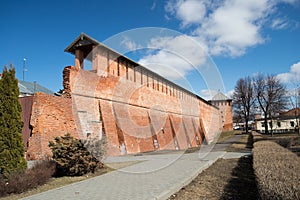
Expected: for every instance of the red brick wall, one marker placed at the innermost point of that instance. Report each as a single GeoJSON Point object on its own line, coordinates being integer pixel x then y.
{"type": "Point", "coordinates": [51, 117]}
{"type": "Point", "coordinates": [227, 109]}
{"type": "Point", "coordinates": [139, 112]}
{"type": "Point", "coordinates": [225, 113]}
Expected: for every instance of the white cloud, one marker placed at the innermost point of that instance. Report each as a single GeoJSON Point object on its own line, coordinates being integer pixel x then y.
{"type": "Point", "coordinates": [228, 27]}
{"type": "Point", "coordinates": [129, 44]}
{"type": "Point", "coordinates": [179, 55]}
{"type": "Point", "coordinates": [293, 76]}
{"type": "Point", "coordinates": [233, 27]}
{"type": "Point", "coordinates": [295, 69]}
{"type": "Point", "coordinates": [285, 77]}
{"type": "Point", "coordinates": [166, 64]}
{"type": "Point", "coordinates": [208, 94]}
{"type": "Point", "coordinates": [189, 12]}
{"type": "Point", "coordinates": [229, 93]}
{"type": "Point", "coordinates": [279, 23]}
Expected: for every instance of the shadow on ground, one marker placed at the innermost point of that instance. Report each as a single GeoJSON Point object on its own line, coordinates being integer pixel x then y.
{"type": "Point", "coordinates": [242, 185]}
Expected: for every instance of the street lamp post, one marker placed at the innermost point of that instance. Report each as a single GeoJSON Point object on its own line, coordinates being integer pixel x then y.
{"type": "Point", "coordinates": [24, 69]}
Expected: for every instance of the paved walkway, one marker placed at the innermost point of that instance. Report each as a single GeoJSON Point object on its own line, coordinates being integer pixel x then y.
{"type": "Point", "coordinates": [156, 177]}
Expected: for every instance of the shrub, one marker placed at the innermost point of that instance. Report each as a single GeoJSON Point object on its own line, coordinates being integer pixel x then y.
{"type": "Point", "coordinates": [277, 171]}
{"type": "Point", "coordinates": [96, 147]}
{"type": "Point", "coordinates": [294, 142]}
{"type": "Point", "coordinates": [71, 157]}
{"type": "Point", "coordinates": [18, 182]}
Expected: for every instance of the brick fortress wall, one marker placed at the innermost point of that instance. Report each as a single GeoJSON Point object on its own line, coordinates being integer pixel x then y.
{"type": "Point", "coordinates": [136, 109]}
{"type": "Point", "coordinates": [51, 117]}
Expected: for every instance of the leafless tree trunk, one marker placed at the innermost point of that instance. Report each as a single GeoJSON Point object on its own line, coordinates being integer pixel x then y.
{"type": "Point", "coordinates": [271, 96]}
{"type": "Point", "coordinates": [244, 99]}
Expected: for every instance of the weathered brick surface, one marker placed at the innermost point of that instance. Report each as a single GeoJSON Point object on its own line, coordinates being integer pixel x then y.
{"type": "Point", "coordinates": [51, 117]}
{"type": "Point", "coordinates": [139, 115]}
{"type": "Point", "coordinates": [137, 110]}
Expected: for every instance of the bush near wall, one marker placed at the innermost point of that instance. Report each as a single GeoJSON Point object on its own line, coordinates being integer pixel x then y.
{"type": "Point", "coordinates": [72, 158]}
{"type": "Point", "coordinates": [18, 182]}
{"type": "Point", "coordinates": [277, 171]}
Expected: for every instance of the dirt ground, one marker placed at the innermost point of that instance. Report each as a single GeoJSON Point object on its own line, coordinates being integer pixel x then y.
{"type": "Point", "coordinates": [232, 178]}
{"type": "Point", "coordinates": [225, 179]}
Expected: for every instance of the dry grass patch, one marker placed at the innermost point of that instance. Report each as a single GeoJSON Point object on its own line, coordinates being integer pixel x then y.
{"type": "Point", "coordinates": [245, 144]}
{"type": "Point", "coordinates": [18, 182]}
{"type": "Point", "coordinates": [225, 179]}
{"type": "Point", "coordinates": [226, 135]}
{"type": "Point", "coordinates": [277, 171]}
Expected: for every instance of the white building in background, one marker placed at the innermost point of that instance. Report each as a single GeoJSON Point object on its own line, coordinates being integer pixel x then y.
{"type": "Point", "coordinates": [284, 122]}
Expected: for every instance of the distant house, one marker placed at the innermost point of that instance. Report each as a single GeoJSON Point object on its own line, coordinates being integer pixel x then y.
{"type": "Point", "coordinates": [284, 122]}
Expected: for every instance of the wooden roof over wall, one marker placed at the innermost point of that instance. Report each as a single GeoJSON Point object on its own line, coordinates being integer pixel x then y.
{"type": "Point", "coordinates": [87, 43]}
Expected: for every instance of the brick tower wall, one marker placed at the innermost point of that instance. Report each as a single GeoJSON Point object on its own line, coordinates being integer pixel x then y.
{"type": "Point", "coordinates": [228, 125]}
{"type": "Point", "coordinates": [225, 109]}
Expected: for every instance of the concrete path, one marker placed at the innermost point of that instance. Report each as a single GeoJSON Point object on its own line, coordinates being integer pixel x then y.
{"type": "Point", "coordinates": [156, 177]}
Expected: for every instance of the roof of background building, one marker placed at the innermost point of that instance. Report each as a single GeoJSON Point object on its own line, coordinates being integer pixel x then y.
{"type": "Point", "coordinates": [290, 114]}
{"type": "Point", "coordinates": [220, 97]}
{"type": "Point", "coordinates": [28, 88]}
{"type": "Point", "coordinates": [293, 112]}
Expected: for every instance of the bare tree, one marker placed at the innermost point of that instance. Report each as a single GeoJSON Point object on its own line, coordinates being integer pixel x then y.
{"type": "Point", "coordinates": [244, 99]}
{"type": "Point", "coordinates": [271, 97]}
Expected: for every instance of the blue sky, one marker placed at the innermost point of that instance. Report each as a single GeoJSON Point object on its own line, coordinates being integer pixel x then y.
{"type": "Point", "coordinates": [239, 38]}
